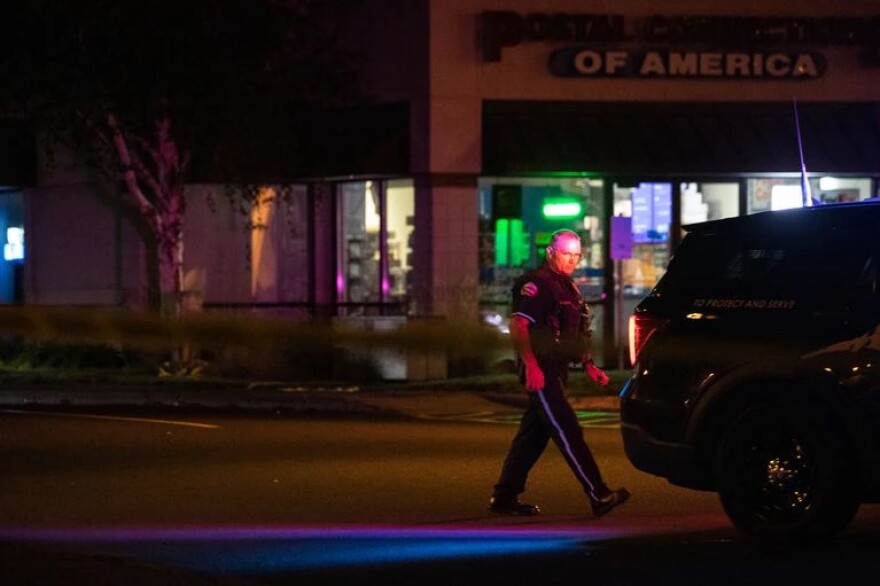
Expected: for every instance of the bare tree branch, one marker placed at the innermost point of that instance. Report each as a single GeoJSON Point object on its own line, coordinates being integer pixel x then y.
{"type": "Point", "coordinates": [147, 209]}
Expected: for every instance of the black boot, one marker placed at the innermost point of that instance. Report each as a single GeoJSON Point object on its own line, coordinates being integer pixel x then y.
{"type": "Point", "coordinates": [610, 499]}
{"type": "Point", "coordinates": [512, 506]}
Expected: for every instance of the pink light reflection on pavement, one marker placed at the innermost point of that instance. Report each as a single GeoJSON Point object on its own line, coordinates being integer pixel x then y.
{"type": "Point", "coordinates": [580, 528]}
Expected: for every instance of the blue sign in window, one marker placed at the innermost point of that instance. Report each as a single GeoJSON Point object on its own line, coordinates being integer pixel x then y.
{"type": "Point", "coordinates": [651, 212]}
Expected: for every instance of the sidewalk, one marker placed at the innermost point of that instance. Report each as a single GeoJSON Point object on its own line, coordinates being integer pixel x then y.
{"type": "Point", "coordinates": [276, 397]}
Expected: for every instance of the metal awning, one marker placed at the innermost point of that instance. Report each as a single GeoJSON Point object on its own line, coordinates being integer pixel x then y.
{"type": "Point", "coordinates": [676, 138]}
{"type": "Point", "coordinates": [305, 143]}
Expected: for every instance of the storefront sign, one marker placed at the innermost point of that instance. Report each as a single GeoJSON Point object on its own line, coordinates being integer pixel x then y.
{"type": "Point", "coordinates": [724, 46]}
{"type": "Point", "coordinates": [502, 28]}
{"type": "Point", "coordinates": [621, 238]}
{"type": "Point", "coordinates": [588, 62]}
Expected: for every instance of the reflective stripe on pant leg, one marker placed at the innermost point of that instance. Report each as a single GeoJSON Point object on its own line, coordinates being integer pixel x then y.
{"type": "Point", "coordinates": [564, 441]}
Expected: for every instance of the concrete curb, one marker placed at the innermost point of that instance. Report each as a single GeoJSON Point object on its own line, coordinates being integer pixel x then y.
{"type": "Point", "coordinates": [290, 400]}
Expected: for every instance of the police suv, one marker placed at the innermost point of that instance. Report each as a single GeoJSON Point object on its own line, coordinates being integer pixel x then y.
{"type": "Point", "coordinates": [756, 369]}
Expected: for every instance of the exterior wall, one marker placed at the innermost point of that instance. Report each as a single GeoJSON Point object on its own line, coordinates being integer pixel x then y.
{"type": "Point", "coordinates": [80, 249]}
{"type": "Point", "coordinates": [216, 264]}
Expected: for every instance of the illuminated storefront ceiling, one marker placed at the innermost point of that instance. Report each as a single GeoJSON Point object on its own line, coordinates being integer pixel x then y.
{"type": "Point", "coordinates": [678, 137]}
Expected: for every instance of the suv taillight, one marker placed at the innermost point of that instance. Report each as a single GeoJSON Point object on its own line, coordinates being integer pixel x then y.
{"type": "Point", "coordinates": [641, 327]}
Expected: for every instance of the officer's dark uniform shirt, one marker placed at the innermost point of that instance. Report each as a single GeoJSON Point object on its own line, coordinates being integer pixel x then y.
{"type": "Point", "coordinates": [559, 319]}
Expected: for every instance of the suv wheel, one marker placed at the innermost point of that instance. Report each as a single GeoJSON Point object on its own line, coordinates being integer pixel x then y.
{"type": "Point", "coordinates": [783, 475]}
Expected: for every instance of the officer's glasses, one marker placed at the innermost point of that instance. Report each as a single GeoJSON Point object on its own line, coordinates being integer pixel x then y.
{"type": "Point", "coordinates": [571, 255]}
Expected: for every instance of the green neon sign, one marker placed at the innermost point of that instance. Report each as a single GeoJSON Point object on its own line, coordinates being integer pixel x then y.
{"type": "Point", "coordinates": [562, 209]}
{"type": "Point", "coordinates": [511, 243]}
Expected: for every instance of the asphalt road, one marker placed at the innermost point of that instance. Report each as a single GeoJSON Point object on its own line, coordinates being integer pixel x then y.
{"type": "Point", "coordinates": [157, 498]}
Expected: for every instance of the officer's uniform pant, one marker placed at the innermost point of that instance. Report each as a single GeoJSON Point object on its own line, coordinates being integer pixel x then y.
{"type": "Point", "coordinates": [549, 415]}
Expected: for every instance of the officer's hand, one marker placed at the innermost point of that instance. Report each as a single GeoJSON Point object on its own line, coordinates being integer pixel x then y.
{"type": "Point", "coordinates": [595, 373]}
{"type": "Point", "coordinates": [534, 378]}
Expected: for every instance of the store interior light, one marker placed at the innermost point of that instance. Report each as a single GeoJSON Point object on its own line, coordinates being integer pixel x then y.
{"type": "Point", "coordinates": [13, 249]}
{"type": "Point", "coordinates": [562, 209]}
{"type": "Point", "coordinates": [372, 220]}
{"type": "Point", "coordinates": [786, 197]}
{"type": "Point", "coordinates": [829, 183]}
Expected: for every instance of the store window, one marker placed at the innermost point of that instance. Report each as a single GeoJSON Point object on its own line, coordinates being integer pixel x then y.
{"type": "Point", "coordinates": [842, 189]}
{"type": "Point", "coordinates": [518, 216]}
{"type": "Point", "coordinates": [400, 206]}
{"type": "Point", "coordinates": [779, 193]}
{"type": "Point", "coordinates": [279, 250]}
{"type": "Point", "coordinates": [701, 202]}
{"type": "Point", "coordinates": [650, 207]}
{"type": "Point", "coordinates": [14, 249]}
{"type": "Point", "coordinates": [375, 246]}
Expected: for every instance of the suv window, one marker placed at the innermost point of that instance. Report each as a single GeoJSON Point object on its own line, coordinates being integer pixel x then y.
{"type": "Point", "coordinates": [729, 267]}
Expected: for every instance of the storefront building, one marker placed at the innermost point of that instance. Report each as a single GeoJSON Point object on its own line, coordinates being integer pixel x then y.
{"type": "Point", "coordinates": [540, 116]}
{"type": "Point", "coordinates": [494, 123]}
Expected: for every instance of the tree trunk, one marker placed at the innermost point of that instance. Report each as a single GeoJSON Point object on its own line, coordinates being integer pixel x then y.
{"type": "Point", "coordinates": [170, 249]}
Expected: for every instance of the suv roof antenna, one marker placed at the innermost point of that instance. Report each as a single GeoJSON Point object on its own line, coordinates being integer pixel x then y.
{"type": "Point", "coordinates": [806, 194]}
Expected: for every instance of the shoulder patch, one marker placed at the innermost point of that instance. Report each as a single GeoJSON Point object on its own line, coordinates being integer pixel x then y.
{"type": "Point", "coordinates": [529, 289]}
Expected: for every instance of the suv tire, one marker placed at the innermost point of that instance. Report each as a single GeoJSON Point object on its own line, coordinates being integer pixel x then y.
{"type": "Point", "coordinates": [784, 475]}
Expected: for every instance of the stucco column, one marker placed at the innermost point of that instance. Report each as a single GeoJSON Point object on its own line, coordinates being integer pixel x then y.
{"type": "Point", "coordinates": [446, 136]}
{"type": "Point", "coordinates": [322, 209]}
{"type": "Point", "coordinates": [446, 257]}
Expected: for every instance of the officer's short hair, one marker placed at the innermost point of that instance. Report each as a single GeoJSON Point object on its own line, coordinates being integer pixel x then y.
{"type": "Point", "coordinates": [554, 238]}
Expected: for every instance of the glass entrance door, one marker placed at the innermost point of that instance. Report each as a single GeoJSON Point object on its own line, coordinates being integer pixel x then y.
{"type": "Point", "coordinates": [649, 206]}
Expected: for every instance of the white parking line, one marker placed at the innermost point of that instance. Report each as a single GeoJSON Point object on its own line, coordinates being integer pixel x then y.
{"type": "Point", "coordinates": [597, 419]}
{"type": "Point", "coordinates": [113, 418]}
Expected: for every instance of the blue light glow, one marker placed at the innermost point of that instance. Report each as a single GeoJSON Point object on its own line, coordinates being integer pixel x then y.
{"type": "Point", "coordinates": [271, 557]}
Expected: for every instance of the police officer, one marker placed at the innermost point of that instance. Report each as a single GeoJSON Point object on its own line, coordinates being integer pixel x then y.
{"type": "Point", "coordinates": [550, 328]}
